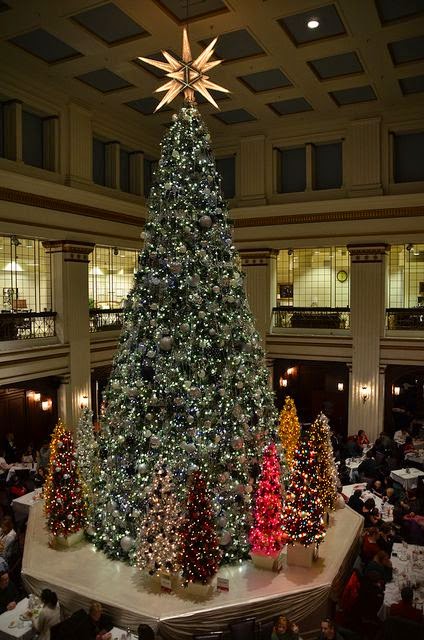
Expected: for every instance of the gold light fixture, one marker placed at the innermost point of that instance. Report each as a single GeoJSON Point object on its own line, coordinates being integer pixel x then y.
{"type": "Point", "coordinates": [187, 75]}
{"type": "Point", "coordinates": [340, 386]}
{"type": "Point", "coordinates": [13, 266]}
{"type": "Point", "coordinates": [396, 391]}
{"type": "Point", "coordinates": [283, 382]}
{"type": "Point", "coordinates": [46, 405]}
{"type": "Point", "coordinates": [84, 402]}
{"type": "Point", "coordinates": [365, 393]}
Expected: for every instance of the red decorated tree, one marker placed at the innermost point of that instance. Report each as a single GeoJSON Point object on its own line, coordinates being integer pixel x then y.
{"type": "Point", "coordinates": [200, 548]}
{"type": "Point", "coordinates": [303, 512]}
{"type": "Point", "coordinates": [266, 535]}
{"type": "Point", "coordinates": [65, 506]}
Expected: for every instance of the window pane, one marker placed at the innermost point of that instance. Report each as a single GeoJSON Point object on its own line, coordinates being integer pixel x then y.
{"type": "Point", "coordinates": [99, 173]}
{"type": "Point", "coordinates": [124, 167]}
{"type": "Point", "coordinates": [226, 167]}
{"type": "Point", "coordinates": [32, 139]}
{"type": "Point", "coordinates": [328, 166]}
{"type": "Point", "coordinates": [292, 170]}
{"type": "Point", "coordinates": [110, 276]}
{"type": "Point", "coordinates": [408, 157]}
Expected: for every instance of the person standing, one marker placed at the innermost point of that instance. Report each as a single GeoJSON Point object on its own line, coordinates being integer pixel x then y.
{"type": "Point", "coordinates": [49, 615]}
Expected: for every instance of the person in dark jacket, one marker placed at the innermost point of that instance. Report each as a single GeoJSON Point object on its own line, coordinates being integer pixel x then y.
{"type": "Point", "coordinates": [368, 467]}
{"type": "Point", "coordinates": [355, 501]}
{"type": "Point", "coordinates": [8, 593]}
{"type": "Point", "coordinates": [405, 608]}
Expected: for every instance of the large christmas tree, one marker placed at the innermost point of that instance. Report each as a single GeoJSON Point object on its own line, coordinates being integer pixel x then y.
{"type": "Point", "coordinates": [189, 385]}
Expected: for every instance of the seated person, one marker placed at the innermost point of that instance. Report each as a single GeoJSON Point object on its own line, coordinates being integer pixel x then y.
{"type": "Point", "coordinates": [387, 538]}
{"type": "Point", "coordinates": [16, 487]}
{"type": "Point", "coordinates": [355, 501]}
{"type": "Point", "coordinates": [144, 632]}
{"type": "Point", "coordinates": [8, 593]}
{"type": "Point", "coordinates": [48, 616]}
{"type": "Point", "coordinates": [405, 608]}
{"type": "Point", "coordinates": [39, 477]}
{"type": "Point", "coordinates": [98, 623]}
{"type": "Point", "coordinates": [370, 544]}
{"type": "Point", "coordinates": [390, 497]}
{"type": "Point", "coordinates": [352, 449]}
{"type": "Point", "coordinates": [381, 565]}
{"type": "Point", "coordinates": [374, 518]}
{"type": "Point", "coordinates": [27, 456]}
{"type": "Point", "coordinates": [284, 629]}
{"type": "Point", "coordinates": [4, 466]}
{"type": "Point", "coordinates": [369, 467]}
{"type": "Point", "coordinates": [362, 438]}
{"type": "Point", "coordinates": [329, 631]}
{"type": "Point", "coordinates": [7, 536]}
{"type": "Point", "coordinates": [400, 436]}
{"type": "Point", "coordinates": [408, 446]}
{"type": "Point", "coordinates": [367, 507]}
{"type": "Point", "coordinates": [376, 487]}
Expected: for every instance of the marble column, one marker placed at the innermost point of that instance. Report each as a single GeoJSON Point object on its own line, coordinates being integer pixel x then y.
{"type": "Point", "coordinates": [70, 299]}
{"type": "Point", "coordinates": [260, 267]}
{"type": "Point", "coordinates": [368, 304]}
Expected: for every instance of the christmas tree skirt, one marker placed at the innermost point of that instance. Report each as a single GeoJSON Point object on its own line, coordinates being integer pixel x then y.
{"type": "Point", "coordinates": [300, 556]}
{"type": "Point", "coordinates": [82, 573]}
{"type": "Point", "coordinates": [271, 562]}
{"type": "Point", "coordinates": [199, 590]}
{"type": "Point", "coordinates": [70, 540]}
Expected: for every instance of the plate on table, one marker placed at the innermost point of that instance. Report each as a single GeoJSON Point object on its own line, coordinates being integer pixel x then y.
{"type": "Point", "coordinates": [12, 624]}
{"type": "Point", "coordinates": [25, 617]}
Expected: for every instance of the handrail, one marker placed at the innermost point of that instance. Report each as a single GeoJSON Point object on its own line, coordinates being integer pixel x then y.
{"type": "Point", "coordinates": [27, 325]}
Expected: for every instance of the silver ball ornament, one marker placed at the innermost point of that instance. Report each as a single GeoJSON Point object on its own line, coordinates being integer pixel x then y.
{"type": "Point", "coordinates": [205, 222]}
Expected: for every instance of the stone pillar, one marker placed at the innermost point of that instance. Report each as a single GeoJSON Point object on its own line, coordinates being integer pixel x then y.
{"type": "Point", "coordinates": [112, 163]}
{"type": "Point", "coordinates": [368, 305]}
{"type": "Point", "coordinates": [51, 143]}
{"type": "Point", "coordinates": [260, 267]}
{"type": "Point", "coordinates": [252, 170]}
{"type": "Point", "coordinates": [363, 157]}
{"type": "Point", "coordinates": [70, 300]}
{"type": "Point", "coordinates": [80, 145]}
{"type": "Point", "coordinates": [137, 173]}
{"type": "Point", "coordinates": [12, 115]}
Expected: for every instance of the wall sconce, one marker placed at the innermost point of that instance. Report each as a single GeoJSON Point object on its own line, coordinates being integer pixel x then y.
{"type": "Point", "coordinates": [84, 402]}
{"type": "Point", "coordinates": [365, 392]}
{"type": "Point", "coordinates": [290, 371]}
{"type": "Point", "coordinates": [36, 397]}
{"type": "Point", "coordinates": [283, 381]}
{"type": "Point", "coordinates": [46, 405]}
{"type": "Point", "coordinates": [340, 386]}
{"type": "Point", "coordinates": [396, 391]}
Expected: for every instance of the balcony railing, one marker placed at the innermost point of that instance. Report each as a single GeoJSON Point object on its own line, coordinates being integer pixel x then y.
{"type": "Point", "coordinates": [27, 325]}
{"type": "Point", "coordinates": [311, 318]}
{"type": "Point", "coordinates": [403, 319]}
{"type": "Point", "coordinates": [105, 319]}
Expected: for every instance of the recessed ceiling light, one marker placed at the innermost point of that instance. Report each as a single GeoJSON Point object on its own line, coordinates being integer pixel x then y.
{"type": "Point", "coordinates": [313, 23]}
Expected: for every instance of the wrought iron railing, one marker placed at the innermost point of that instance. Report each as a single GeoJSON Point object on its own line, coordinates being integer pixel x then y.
{"type": "Point", "coordinates": [311, 318]}
{"type": "Point", "coordinates": [403, 319]}
{"type": "Point", "coordinates": [105, 319]}
{"type": "Point", "coordinates": [27, 325]}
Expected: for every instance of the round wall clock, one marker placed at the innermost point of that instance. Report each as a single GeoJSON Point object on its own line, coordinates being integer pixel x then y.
{"type": "Point", "coordinates": [342, 276]}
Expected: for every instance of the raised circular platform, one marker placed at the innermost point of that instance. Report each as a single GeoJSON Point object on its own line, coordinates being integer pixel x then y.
{"type": "Point", "coordinates": [81, 574]}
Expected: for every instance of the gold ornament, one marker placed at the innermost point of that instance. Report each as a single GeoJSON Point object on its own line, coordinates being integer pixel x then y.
{"type": "Point", "coordinates": [187, 75]}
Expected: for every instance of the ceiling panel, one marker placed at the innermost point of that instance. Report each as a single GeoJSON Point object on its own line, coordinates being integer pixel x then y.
{"type": "Point", "coordinates": [235, 45]}
{"type": "Point", "coordinates": [104, 80]}
{"type": "Point", "coordinates": [109, 23]}
{"type": "Point", "coordinates": [408, 50]}
{"type": "Point", "coordinates": [393, 10]}
{"type": "Point", "coordinates": [342, 64]}
{"type": "Point", "coordinates": [236, 116]}
{"type": "Point", "coordinates": [155, 56]}
{"type": "Point", "coordinates": [353, 95]}
{"type": "Point", "coordinates": [296, 26]}
{"type": "Point", "coordinates": [146, 106]}
{"type": "Point", "coordinates": [266, 80]}
{"type": "Point", "coordinates": [4, 7]}
{"type": "Point", "coordinates": [288, 107]}
{"type": "Point", "coordinates": [414, 84]}
{"type": "Point", "coordinates": [183, 11]}
{"type": "Point", "coordinates": [44, 45]}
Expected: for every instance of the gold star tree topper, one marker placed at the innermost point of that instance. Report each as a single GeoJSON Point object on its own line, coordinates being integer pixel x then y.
{"type": "Point", "coordinates": [187, 75]}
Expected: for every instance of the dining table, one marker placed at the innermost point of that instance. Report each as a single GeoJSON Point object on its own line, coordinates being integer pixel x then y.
{"type": "Point", "coordinates": [23, 504]}
{"type": "Point", "coordinates": [17, 467]}
{"type": "Point", "coordinates": [415, 458]}
{"type": "Point", "coordinates": [385, 509]}
{"type": "Point", "coordinates": [408, 571]}
{"type": "Point", "coordinates": [14, 624]}
{"type": "Point", "coordinates": [407, 477]}
{"type": "Point", "coordinates": [121, 634]}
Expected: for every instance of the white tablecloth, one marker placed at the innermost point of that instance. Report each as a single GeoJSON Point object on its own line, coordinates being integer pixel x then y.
{"type": "Point", "coordinates": [385, 510]}
{"type": "Point", "coordinates": [19, 466]}
{"type": "Point", "coordinates": [352, 464]}
{"type": "Point", "coordinates": [408, 569]}
{"type": "Point", "coordinates": [22, 505]}
{"type": "Point", "coordinates": [409, 479]}
{"type": "Point", "coordinates": [13, 617]}
{"type": "Point", "coordinates": [415, 456]}
{"type": "Point", "coordinates": [118, 633]}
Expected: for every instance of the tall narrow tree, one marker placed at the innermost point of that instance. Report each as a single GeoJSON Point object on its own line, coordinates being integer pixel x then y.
{"type": "Point", "coordinates": [326, 466]}
{"type": "Point", "coordinates": [289, 430]}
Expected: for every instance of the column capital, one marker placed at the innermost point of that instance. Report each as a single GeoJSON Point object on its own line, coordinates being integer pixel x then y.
{"type": "Point", "coordinates": [368, 253]}
{"type": "Point", "coordinates": [255, 257]}
{"type": "Point", "coordinates": [72, 250]}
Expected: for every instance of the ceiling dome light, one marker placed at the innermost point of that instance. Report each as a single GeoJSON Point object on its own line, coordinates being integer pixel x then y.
{"type": "Point", "coordinates": [313, 23]}
{"type": "Point", "coordinates": [12, 266]}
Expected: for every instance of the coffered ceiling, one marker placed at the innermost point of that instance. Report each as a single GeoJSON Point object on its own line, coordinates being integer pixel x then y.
{"type": "Point", "coordinates": [365, 56]}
